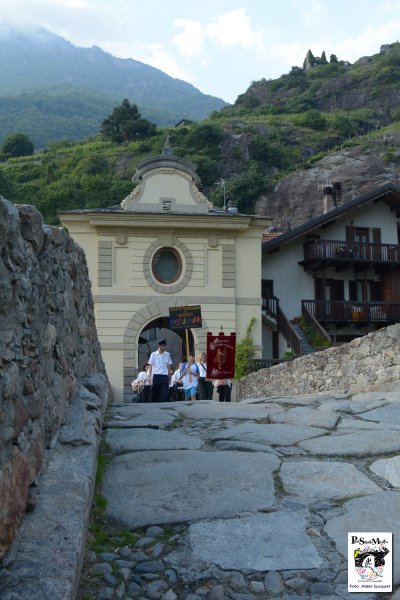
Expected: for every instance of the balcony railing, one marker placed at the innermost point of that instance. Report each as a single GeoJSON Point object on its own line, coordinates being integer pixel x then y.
{"type": "Point", "coordinates": [347, 311]}
{"type": "Point", "coordinates": [290, 335]}
{"type": "Point", "coordinates": [337, 251]}
{"type": "Point", "coordinates": [270, 304]}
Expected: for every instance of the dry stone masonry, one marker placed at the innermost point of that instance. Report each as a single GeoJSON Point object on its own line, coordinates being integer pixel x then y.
{"type": "Point", "coordinates": [367, 363]}
{"type": "Point", "coordinates": [53, 386]}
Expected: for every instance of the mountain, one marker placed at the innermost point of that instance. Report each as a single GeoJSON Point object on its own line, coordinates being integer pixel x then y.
{"type": "Point", "coordinates": [276, 148]}
{"type": "Point", "coordinates": [39, 70]}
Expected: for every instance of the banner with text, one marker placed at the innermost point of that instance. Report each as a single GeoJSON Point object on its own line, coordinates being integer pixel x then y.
{"type": "Point", "coordinates": [221, 350]}
{"type": "Point", "coordinates": [185, 317]}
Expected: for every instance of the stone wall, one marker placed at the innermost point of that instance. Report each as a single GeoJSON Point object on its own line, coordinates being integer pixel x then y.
{"type": "Point", "coordinates": [48, 349]}
{"type": "Point", "coordinates": [366, 363]}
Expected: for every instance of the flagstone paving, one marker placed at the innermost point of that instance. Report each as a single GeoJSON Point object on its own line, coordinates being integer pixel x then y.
{"type": "Point", "coordinates": [251, 500]}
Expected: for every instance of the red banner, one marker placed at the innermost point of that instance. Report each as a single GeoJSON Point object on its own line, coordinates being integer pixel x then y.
{"type": "Point", "coordinates": [221, 356]}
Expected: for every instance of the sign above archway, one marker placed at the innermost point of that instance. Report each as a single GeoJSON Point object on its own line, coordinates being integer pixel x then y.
{"type": "Point", "coordinates": [185, 317]}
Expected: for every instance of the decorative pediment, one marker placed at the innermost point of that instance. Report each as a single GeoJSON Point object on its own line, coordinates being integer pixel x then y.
{"type": "Point", "coordinates": [166, 183]}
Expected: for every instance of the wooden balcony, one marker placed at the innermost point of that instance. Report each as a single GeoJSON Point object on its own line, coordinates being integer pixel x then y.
{"type": "Point", "coordinates": [348, 311]}
{"type": "Point", "coordinates": [344, 255]}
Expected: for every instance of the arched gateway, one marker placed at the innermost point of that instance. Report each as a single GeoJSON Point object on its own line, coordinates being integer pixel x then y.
{"type": "Point", "coordinates": [160, 311]}
{"type": "Point", "coordinates": [166, 246]}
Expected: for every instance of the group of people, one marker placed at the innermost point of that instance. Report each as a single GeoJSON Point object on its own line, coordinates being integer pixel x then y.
{"type": "Point", "coordinates": [158, 382]}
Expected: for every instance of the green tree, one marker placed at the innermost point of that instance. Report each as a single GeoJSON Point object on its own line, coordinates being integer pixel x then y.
{"type": "Point", "coordinates": [323, 58]}
{"type": "Point", "coordinates": [333, 58]}
{"type": "Point", "coordinates": [126, 124]}
{"type": "Point", "coordinates": [17, 144]}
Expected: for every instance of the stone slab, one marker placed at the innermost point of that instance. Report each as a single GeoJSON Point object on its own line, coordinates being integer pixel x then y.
{"type": "Point", "coordinates": [150, 439]}
{"type": "Point", "coordinates": [354, 424]}
{"type": "Point", "coordinates": [123, 411]}
{"type": "Point", "coordinates": [377, 513]}
{"type": "Point", "coordinates": [277, 434]}
{"type": "Point", "coordinates": [389, 468]}
{"type": "Point", "coordinates": [157, 487]}
{"type": "Point", "coordinates": [223, 410]}
{"type": "Point", "coordinates": [246, 446]}
{"type": "Point", "coordinates": [388, 415]}
{"type": "Point", "coordinates": [145, 420]}
{"type": "Point", "coordinates": [359, 443]}
{"type": "Point", "coordinates": [316, 480]}
{"type": "Point", "coordinates": [303, 415]}
{"type": "Point", "coordinates": [264, 542]}
{"type": "Point", "coordinates": [380, 396]}
{"type": "Point", "coordinates": [357, 404]}
{"type": "Point", "coordinates": [289, 400]}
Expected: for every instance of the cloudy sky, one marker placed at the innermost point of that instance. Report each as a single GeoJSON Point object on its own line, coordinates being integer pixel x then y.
{"type": "Point", "coordinates": [220, 46]}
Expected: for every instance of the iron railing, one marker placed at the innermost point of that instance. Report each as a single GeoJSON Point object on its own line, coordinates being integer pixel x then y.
{"type": "Point", "coordinates": [335, 250]}
{"type": "Point", "coordinates": [338, 311]}
{"type": "Point", "coordinates": [290, 335]}
{"type": "Point", "coordinates": [270, 304]}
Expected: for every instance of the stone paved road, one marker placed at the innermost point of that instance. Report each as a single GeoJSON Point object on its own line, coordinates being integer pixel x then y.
{"type": "Point", "coordinates": [262, 493]}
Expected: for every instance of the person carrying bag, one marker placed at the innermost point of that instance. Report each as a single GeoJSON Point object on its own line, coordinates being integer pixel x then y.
{"type": "Point", "coordinates": [205, 386]}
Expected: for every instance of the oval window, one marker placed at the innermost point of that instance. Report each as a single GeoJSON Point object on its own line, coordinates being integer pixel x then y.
{"type": "Point", "coordinates": [166, 265]}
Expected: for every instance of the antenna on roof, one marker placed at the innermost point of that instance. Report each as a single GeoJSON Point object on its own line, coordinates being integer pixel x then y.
{"type": "Point", "coordinates": [222, 183]}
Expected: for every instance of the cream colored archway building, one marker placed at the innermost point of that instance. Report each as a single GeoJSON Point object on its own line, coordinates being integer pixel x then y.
{"type": "Point", "coordinates": [166, 246]}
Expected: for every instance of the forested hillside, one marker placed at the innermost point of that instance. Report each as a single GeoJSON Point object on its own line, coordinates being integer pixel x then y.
{"type": "Point", "coordinates": [331, 121]}
{"type": "Point", "coordinates": [50, 85]}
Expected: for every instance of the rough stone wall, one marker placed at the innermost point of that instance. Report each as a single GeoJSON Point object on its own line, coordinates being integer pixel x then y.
{"type": "Point", "coordinates": [366, 363]}
{"type": "Point", "coordinates": [48, 346]}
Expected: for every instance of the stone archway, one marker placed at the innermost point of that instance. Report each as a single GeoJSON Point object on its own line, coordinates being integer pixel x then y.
{"type": "Point", "coordinates": [158, 308]}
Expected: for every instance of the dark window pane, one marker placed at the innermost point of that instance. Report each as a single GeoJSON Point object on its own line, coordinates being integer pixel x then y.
{"type": "Point", "coordinates": [166, 265]}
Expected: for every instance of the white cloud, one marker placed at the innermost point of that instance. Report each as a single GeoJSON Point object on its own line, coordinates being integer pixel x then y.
{"type": "Point", "coordinates": [154, 55]}
{"type": "Point", "coordinates": [69, 3]}
{"type": "Point", "coordinates": [368, 42]}
{"type": "Point", "coordinates": [190, 42]}
{"type": "Point", "coordinates": [312, 14]}
{"type": "Point", "coordinates": [390, 6]}
{"type": "Point", "coordinates": [291, 55]}
{"type": "Point", "coordinates": [352, 48]}
{"type": "Point", "coordinates": [234, 29]}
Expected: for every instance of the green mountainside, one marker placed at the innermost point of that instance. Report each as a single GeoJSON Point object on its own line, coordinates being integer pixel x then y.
{"type": "Point", "coordinates": [41, 70]}
{"type": "Point", "coordinates": [332, 121]}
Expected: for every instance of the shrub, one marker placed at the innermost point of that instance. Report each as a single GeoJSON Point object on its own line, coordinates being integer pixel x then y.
{"type": "Point", "coordinates": [245, 353]}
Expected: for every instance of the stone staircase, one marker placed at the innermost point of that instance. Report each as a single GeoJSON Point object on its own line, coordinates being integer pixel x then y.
{"type": "Point", "coordinates": [306, 346]}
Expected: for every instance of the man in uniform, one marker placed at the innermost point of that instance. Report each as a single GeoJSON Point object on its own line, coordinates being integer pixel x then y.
{"type": "Point", "coordinates": [158, 372]}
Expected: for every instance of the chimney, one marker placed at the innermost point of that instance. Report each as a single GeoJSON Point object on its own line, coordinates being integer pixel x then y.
{"type": "Point", "coordinates": [328, 201]}
{"type": "Point", "coordinates": [232, 206]}
{"type": "Point", "coordinates": [337, 192]}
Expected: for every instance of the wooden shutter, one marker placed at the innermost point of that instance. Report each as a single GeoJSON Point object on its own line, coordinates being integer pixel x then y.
{"type": "Point", "coordinates": [376, 235]}
{"type": "Point", "coordinates": [349, 233]}
{"type": "Point", "coordinates": [319, 289]}
{"type": "Point", "coordinates": [376, 240]}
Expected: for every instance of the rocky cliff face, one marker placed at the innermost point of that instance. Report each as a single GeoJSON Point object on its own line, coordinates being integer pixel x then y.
{"type": "Point", "coordinates": [48, 345]}
{"type": "Point", "coordinates": [298, 198]}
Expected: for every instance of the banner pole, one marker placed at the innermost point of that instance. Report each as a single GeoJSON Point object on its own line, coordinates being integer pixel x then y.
{"type": "Point", "coordinates": [187, 343]}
